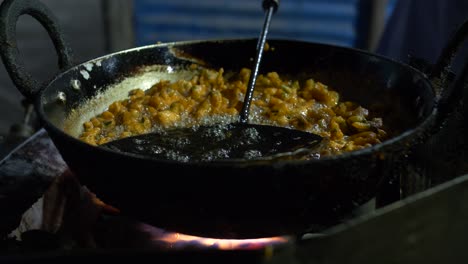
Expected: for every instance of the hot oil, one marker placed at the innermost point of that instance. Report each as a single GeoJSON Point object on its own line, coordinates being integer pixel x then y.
{"type": "Point", "coordinates": [144, 79]}
{"type": "Point", "coordinates": [197, 143]}
{"type": "Point", "coordinates": [216, 138]}
{"type": "Point", "coordinates": [212, 138]}
{"type": "Point", "coordinates": [186, 147]}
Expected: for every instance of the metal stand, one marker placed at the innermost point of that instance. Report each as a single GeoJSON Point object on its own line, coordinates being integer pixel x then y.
{"type": "Point", "coordinates": [21, 131]}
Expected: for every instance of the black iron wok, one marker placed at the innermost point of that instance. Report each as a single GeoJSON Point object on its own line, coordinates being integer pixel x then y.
{"type": "Point", "coordinates": [224, 198]}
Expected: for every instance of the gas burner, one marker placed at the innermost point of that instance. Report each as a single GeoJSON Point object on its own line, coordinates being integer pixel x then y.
{"type": "Point", "coordinates": [63, 210]}
{"type": "Point", "coordinates": [62, 206]}
{"type": "Point", "coordinates": [35, 174]}
{"type": "Point", "coordinates": [73, 214]}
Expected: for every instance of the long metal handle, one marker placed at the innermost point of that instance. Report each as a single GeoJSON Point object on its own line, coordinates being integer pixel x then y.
{"type": "Point", "coordinates": [267, 4]}
{"type": "Point", "coordinates": [449, 90]}
{"type": "Point", "coordinates": [449, 52]}
{"type": "Point", "coordinates": [271, 6]}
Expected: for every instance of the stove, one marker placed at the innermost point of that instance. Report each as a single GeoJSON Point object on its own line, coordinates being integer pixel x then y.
{"type": "Point", "coordinates": [52, 217]}
{"type": "Point", "coordinates": [47, 216]}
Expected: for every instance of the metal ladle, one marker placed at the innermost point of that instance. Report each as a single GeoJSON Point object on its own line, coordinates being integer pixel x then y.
{"type": "Point", "coordinates": [240, 140]}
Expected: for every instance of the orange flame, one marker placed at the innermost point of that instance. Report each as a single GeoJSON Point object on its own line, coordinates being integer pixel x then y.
{"type": "Point", "coordinates": [223, 244]}
{"type": "Point", "coordinates": [179, 241]}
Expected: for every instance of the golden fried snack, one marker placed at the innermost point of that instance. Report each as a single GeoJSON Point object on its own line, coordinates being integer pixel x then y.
{"type": "Point", "coordinates": [213, 95]}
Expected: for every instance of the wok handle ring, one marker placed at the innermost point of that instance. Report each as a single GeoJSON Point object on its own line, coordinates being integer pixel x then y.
{"type": "Point", "coordinates": [10, 11]}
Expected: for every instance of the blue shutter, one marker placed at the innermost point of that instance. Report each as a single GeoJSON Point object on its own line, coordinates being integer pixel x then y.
{"type": "Point", "coordinates": [390, 6]}
{"type": "Point", "coordinates": [325, 21]}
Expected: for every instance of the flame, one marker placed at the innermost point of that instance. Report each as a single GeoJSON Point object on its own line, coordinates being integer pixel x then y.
{"type": "Point", "coordinates": [223, 244]}
{"type": "Point", "coordinates": [179, 241]}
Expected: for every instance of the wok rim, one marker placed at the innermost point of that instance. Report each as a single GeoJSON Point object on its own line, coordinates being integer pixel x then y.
{"type": "Point", "coordinates": [375, 149]}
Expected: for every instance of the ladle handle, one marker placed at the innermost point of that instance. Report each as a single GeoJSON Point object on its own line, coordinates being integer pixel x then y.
{"type": "Point", "coordinates": [267, 4]}
{"type": "Point", "coordinates": [10, 11]}
{"type": "Point", "coordinates": [449, 93]}
{"type": "Point", "coordinates": [271, 6]}
{"type": "Point", "coordinates": [441, 71]}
